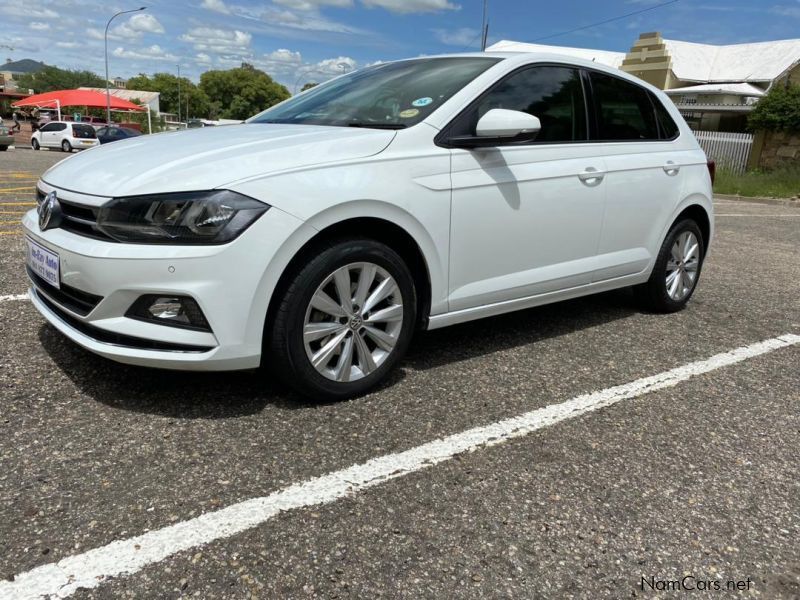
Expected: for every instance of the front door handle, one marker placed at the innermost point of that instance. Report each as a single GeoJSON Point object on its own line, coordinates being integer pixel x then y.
{"type": "Point", "coordinates": [671, 169]}
{"type": "Point", "coordinates": [591, 176]}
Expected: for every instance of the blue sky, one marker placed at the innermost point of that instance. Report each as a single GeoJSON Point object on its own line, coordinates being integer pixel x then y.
{"type": "Point", "coordinates": [304, 40]}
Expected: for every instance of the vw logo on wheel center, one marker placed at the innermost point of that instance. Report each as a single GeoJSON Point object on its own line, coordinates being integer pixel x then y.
{"type": "Point", "coordinates": [49, 212]}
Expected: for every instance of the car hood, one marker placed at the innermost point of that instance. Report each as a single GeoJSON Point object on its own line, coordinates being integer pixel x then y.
{"type": "Point", "coordinates": [211, 157]}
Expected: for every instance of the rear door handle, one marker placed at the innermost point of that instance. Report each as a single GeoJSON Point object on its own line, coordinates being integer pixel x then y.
{"type": "Point", "coordinates": [591, 176]}
{"type": "Point", "coordinates": [670, 168]}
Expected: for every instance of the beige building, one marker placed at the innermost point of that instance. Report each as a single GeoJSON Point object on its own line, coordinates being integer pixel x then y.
{"type": "Point", "coordinates": [713, 86]}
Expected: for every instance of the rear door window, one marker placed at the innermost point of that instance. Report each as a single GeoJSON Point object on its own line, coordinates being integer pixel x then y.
{"type": "Point", "coordinates": [623, 110]}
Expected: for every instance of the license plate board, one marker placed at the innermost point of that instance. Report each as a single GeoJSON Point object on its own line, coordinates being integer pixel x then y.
{"type": "Point", "coordinates": [43, 262]}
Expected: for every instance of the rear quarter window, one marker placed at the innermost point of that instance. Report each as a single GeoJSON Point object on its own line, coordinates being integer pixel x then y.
{"type": "Point", "coordinates": [667, 128]}
{"type": "Point", "coordinates": [624, 110]}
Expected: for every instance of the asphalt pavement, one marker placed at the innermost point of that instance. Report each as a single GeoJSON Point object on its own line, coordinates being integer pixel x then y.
{"type": "Point", "coordinates": [700, 479]}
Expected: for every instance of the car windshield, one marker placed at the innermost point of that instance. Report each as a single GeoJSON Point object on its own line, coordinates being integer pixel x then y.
{"type": "Point", "coordinates": [387, 96]}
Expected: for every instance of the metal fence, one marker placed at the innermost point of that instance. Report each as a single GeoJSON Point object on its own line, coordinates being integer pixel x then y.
{"type": "Point", "coordinates": [729, 150]}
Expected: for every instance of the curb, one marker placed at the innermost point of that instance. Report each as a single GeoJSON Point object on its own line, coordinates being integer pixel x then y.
{"type": "Point", "coordinates": [758, 200]}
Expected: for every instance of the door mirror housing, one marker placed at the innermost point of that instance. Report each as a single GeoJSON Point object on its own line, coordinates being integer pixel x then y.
{"type": "Point", "coordinates": [500, 126]}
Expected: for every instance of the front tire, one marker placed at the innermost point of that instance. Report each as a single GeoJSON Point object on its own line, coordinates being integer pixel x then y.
{"type": "Point", "coordinates": [35, 144]}
{"type": "Point", "coordinates": [676, 271]}
{"type": "Point", "coordinates": [66, 146]}
{"type": "Point", "coordinates": [344, 320]}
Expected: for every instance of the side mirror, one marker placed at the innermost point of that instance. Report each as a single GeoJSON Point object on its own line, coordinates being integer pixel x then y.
{"type": "Point", "coordinates": [503, 123]}
{"type": "Point", "coordinates": [500, 126]}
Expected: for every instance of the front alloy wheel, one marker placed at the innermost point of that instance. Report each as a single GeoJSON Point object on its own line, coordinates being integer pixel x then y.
{"type": "Point", "coordinates": [344, 318]}
{"type": "Point", "coordinates": [353, 322]}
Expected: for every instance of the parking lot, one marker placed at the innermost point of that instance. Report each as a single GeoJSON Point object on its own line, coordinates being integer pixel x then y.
{"type": "Point", "coordinates": [620, 494]}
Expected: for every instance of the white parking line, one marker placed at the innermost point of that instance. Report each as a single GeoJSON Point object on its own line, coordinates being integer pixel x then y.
{"type": "Point", "coordinates": [125, 557]}
{"type": "Point", "coordinates": [13, 297]}
{"type": "Point", "coordinates": [751, 215]}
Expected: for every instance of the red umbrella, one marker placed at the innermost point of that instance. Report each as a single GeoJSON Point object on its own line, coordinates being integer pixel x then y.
{"type": "Point", "coordinates": [89, 98]}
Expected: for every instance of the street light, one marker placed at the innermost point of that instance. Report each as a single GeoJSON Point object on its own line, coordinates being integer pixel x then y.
{"type": "Point", "coordinates": [105, 39]}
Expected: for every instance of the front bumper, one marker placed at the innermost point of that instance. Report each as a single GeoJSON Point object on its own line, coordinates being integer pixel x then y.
{"type": "Point", "coordinates": [100, 280]}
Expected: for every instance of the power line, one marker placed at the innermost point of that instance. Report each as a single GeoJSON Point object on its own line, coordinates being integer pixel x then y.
{"type": "Point", "coordinates": [619, 18]}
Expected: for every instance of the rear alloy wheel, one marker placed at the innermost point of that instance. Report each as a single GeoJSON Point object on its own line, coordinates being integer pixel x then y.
{"type": "Point", "coordinates": [66, 146]}
{"type": "Point", "coordinates": [677, 269]}
{"type": "Point", "coordinates": [345, 320]}
{"type": "Point", "coordinates": [34, 144]}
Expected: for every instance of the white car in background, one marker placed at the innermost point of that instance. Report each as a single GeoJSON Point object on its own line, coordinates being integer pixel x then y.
{"type": "Point", "coordinates": [66, 135]}
{"type": "Point", "coordinates": [319, 235]}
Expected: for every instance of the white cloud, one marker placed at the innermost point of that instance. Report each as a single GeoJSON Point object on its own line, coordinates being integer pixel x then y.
{"type": "Point", "coordinates": [68, 44]}
{"type": "Point", "coordinates": [154, 52]}
{"type": "Point", "coordinates": [282, 55]}
{"type": "Point", "coordinates": [334, 66]}
{"type": "Point", "coordinates": [306, 20]}
{"type": "Point", "coordinates": [411, 6]}
{"type": "Point", "coordinates": [465, 36]}
{"type": "Point", "coordinates": [23, 8]}
{"type": "Point", "coordinates": [314, 4]}
{"type": "Point", "coordinates": [39, 26]}
{"type": "Point", "coordinates": [205, 39]}
{"type": "Point", "coordinates": [216, 6]}
{"type": "Point", "coordinates": [786, 11]}
{"type": "Point", "coordinates": [201, 58]}
{"type": "Point", "coordinates": [136, 26]}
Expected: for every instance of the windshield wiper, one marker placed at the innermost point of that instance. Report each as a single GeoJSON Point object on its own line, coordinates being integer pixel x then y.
{"type": "Point", "coordinates": [377, 125]}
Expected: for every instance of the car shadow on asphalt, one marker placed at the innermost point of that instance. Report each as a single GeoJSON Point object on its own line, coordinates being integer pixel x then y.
{"type": "Point", "coordinates": [222, 395]}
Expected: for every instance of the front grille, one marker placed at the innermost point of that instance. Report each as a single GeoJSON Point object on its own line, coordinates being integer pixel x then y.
{"type": "Point", "coordinates": [78, 218]}
{"type": "Point", "coordinates": [117, 339]}
{"type": "Point", "coordinates": [78, 301]}
{"type": "Point", "coordinates": [81, 219]}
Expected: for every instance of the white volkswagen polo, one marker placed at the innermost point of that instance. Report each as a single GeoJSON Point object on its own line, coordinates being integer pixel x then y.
{"type": "Point", "coordinates": [319, 235]}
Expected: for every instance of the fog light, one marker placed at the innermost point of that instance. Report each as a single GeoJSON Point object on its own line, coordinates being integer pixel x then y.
{"type": "Point", "coordinates": [177, 311]}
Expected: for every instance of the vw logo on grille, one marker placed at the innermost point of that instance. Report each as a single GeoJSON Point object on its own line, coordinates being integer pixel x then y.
{"type": "Point", "coordinates": [49, 212]}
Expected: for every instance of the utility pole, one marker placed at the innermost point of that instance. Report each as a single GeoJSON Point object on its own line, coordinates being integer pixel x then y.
{"type": "Point", "coordinates": [179, 96]}
{"type": "Point", "coordinates": [485, 25]}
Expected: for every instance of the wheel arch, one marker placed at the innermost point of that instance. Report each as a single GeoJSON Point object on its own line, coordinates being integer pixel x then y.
{"type": "Point", "coordinates": [380, 228]}
{"type": "Point", "coordinates": [700, 215]}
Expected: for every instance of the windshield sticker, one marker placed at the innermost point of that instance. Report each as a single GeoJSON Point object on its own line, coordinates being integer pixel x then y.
{"type": "Point", "coordinates": [419, 102]}
{"type": "Point", "coordinates": [408, 113]}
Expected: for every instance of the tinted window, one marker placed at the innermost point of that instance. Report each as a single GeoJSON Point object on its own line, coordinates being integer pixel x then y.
{"type": "Point", "coordinates": [667, 128]}
{"type": "Point", "coordinates": [553, 94]}
{"type": "Point", "coordinates": [624, 110]}
{"type": "Point", "coordinates": [48, 127]}
{"type": "Point", "coordinates": [392, 95]}
{"type": "Point", "coordinates": [83, 131]}
{"type": "Point", "coordinates": [59, 126]}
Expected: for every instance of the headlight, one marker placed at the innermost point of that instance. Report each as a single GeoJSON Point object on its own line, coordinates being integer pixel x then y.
{"type": "Point", "coordinates": [213, 217]}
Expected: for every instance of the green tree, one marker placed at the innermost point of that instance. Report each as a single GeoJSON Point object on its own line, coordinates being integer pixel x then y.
{"type": "Point", "coordinates": [242, 92]}
{"type": "Point", "coordinates": [166, 84]}
{"type": "Point", "coordinates": [779, 110]}
{"type": "Point", "coordinates": [308, 86]}
{"type": "Point", "coordinates": [50, 79]}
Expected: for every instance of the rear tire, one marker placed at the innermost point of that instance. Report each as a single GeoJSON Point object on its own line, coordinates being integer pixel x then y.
{"type": "Point", "coordinates": [3, 148]}
{"type": "Point", "coordinates": [35, 145]}
{"type": "Point", "coordinates": [66, 146]}
{"type": "Point", "coordinates": [332, 345]}
{"type": "Point", "coordinates": [676, 271]}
